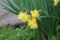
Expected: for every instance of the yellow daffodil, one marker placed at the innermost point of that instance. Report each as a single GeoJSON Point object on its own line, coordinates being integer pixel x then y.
{"type": "Point", "coordinates": [32, 23]}
{"type": "Point", "coordinates": [34, 13]}
{"type": "Point", "coordinates": [56, 2]}
{"type": "Point", "coordinates": [23, 16]}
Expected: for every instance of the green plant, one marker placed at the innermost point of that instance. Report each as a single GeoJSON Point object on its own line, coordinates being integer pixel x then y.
{"type": "Point", "coordinates": [49, 14]}
{"type": "Point", "coordinates": [23, 33]}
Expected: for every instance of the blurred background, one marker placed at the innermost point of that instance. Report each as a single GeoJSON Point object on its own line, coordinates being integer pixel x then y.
{"type": "Point", "coordinates": [48, 22]}
{"type": "Point", "coordinates": [6, 17]}
{"type": "Point", "coordinates": [1, 7]}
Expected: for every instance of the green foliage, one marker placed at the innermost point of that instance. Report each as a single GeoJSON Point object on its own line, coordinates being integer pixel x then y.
{"type": "Point", "coordinates": [26, 5]}
{"type": "Point", "coordinates": [24, 33]}
{"type": "Point", "coordinates": [49, 15]}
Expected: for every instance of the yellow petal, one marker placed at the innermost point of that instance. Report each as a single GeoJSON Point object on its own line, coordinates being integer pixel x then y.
{"type": "Point", "coordinates": [56, 2]}
{"type": "Point", "coordinates": [34, 13]}
{"type": "Point", "coordinates": [23, 16]}
{"type": "Point", "coordinates": [32, 23]}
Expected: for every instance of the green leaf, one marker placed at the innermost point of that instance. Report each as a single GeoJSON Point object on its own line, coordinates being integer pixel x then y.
{"type": "Point", "coordinates": [58, 27]}
{"type": "Point", "coordinates": [53, 38]}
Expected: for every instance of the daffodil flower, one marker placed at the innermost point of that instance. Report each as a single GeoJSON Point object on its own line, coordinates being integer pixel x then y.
{"type": "Point", "coordinates": [23, 16]}
{"type": "Point", "coordinates": [32, 23]}
{"type": "Point", "coordinates": [34, 13]}
{"type": "Point", "coordinates": [56, 2]}
{"type": "Point", "coordinates": [30, 19]}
